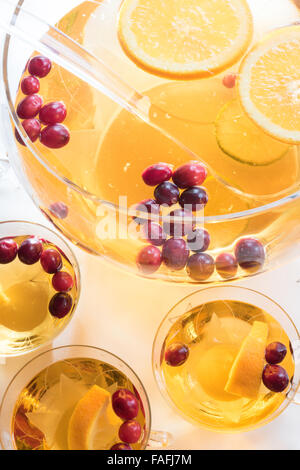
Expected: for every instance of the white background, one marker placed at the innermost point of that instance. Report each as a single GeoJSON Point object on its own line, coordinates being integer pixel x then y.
{"type": "Point", "coordinates": [121, 313]}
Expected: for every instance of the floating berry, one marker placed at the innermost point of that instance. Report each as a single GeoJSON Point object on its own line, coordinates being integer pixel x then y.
{"type": "Point", "coordinates": [157, 174]}
{"type": "Point", "coordinates": [130, 431]}
{"type": "Point", "coordinates": [29, 107]}
{"type": "Point", "coordinates": [179, 223]}
{"type": "Point", "coordinates": [250, 254]}
{"type": "Point", "coordinates": [59, 210]}
{"type": "Point", "coordinates": [121, 446]}
{"type": "Point", "coordinates": [30, 251]}
{"type": "Point", "coordinates": [200, 266]}
{"type": "Point", "coordinates": [53, 113]}
{"type": "Point", "coordinates": [148, 205]}
{"type": "Point", "coordinates": [60, 305]}
{"type": "Point", "coordinates": [275, 353]}
{"type": "Point", "coordinates": [8, 250]}
{"type": "Point", "coordinates": [149, 259]}
{"type": "Point", "coordinates": [32, 128]}
{"type": "Point", "coordinates": [125, 404]}
{"type": "Point", "coordinates": [229, 80]}
{"type": "Point", "coordinates": [154, 234]}
{"type": "Point", "coordinates": [39, 66]}
{"type": "Point", "coordinates": [30, 85]}
{"type": "Point", "coordinates": [62, 282]}
{"type": "Point", "coordinates": [55, 136]}
{"type": "Point", "coordinates": [51, 261]}
{"type": "Point", "coordinates": [275, 378]}
{"type": "Point", "coordinates": [194, 198]}
{"type": "Point", "coordinates": [190, 174]}
{"type": "Point", "coordinates": [167, 193]}
{"type": "Point", "coordinates": [176, 354]}
{"type": "Point", "coordinates": [175, 253]}
{"type": "Point", "coordinates": [226, 265]}
{"type": "Point", "coordinates": [198, 240]}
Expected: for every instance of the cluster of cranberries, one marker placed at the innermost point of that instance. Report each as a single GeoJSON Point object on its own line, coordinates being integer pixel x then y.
{"type": "Point", "coordinates": [51, 115]}
{"type": "Point", "coordinates": [178, 235]}
{"type": "Point", "coordinates": [30, 252]}
{"type": "Point", "coordinates": [275, 377]}
{"type": "Point", "coordinates": [126, 405]}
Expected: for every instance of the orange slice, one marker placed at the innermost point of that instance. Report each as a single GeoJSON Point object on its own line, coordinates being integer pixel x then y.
{"type": "Point", "coordinates": [184, 39]}
{"type": "Point", "coordinates": [269, 84]}
{"type": "Point", "coordinates": [246, 373]}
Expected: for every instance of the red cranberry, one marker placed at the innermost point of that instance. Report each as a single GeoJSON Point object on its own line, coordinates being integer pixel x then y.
{"type": "Point", "coordinates": [62, 282]}
{"type": "Point", "coordinates": [175, 253]}
{"type": "Point", "coordinates": [130, 431]}
{"type": "Point", "coordinates": [32, 128]}
{"type": "Point", "coordinates": [275, 353]}
{"type": "Point", "coordinates": [157, 174]}
{"type": "Point", "coordinates": [55, 136]}
{"type": "Point", "coordinates": [154, 234]}
{"type": "Point", "coordinates": [250, 254]}
{"type": "Point", "coordinates": [121, 446]}
{"type": "Point", "coordinates": [60, 305]}
{"type": "Point", "coordinates": [8, 250]}
{"type": "Point", "coordinates": [148, 205]}
{"type": "Point", "coordinates": [167, 193]}
{"type": "Point", "coordinates": [53, 113]}
{"type": "Point", "coordinates": [181, 226]}
{"type": "Point", "coordinates": [229, 80]}
{"type": "Point", "coordinates": [51, 261]}
{"type": "Point", "coordinates": [59, 210]}
{"type": "Point", "coordinates": [125, 404]}
{"type": "Point", "coordinates": [198, 240]}
{"type": "Point", "coordinates": [275, 378]}
{"type": "Point", "coordinates": [30, 251]}
{"type": "Point", "coordinates": [30, 85]}
{"type": "Point", "coordinates": [190, 174]}
{"type": "Point", "coordinates": [200, 266]}
{"type": "Point", "coordinates": [176, 354]}
{"type": "Point", "coordinates": [149, 259]}
{"type": "Point", "coordinates": [39, 66]}
{"type": "Point", "coordinates": [226, 265]}
{"type": "Point", "coordinates": [194, 199]}
{"type": "Point", "coordinates": [29, 107]}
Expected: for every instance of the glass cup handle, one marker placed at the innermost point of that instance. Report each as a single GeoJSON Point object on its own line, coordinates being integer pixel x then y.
{"type": "Point", "coordinates": [159, 440]}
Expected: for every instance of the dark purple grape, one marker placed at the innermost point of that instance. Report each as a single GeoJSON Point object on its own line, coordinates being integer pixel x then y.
{"type": "Point", "coordinates": [198, 240]}
{"type": "Point", "coordinates": [55, 136]}
{"type": "Point", "coordinates": [51, 261]}
{"type": "Point", "coordinates": [275, 378]}
{"type": "Point", "coordinates": [200, 266]}
{"type": "Point", "coordinates": [60, 305]}
{"type": "Point", "coordinates": [30, 85]}
{"type": "Point", "coordinates": [8, 250]}
{"type": "Point", "coordinates": [176, 354]}
{"type": "Point", "coordinates": [157, 174]}
{"type": "Point", "coordinates": [29, 107]}
{"type": "Point", "coordinates": [59, 210]}
{"type": "Point", "coordinates": [190, 174]}
{"type": "Point", "coordinates": [250, 254]}
{"type": "Point", "coordinates": [275, 353]}
{"type": "Point", "coordinates": [121, 446]}
{"type": "Point", "coordinates": [150, 207]}
{"type": "Point", "coordinates": [194, 199]}
{"type": "Point", "coordinates": [149, 259]}
{"type": "Point", "coordinates": [179, 223]}
{"type": "Point", "coordinates": [154, 233]}
{"type": "Point", "coordinates": [53, 113]}
{"type": "Point", "coordinates": [39, 66]}
{"type": "Point", "coordinates": [167, 193]}
{"type": "Point", "coordinates": [62, 282]}
{"type": "Point", "coordinates": [130, 431]}
{"type": "Point", "coordinates": [30, 251]}
{"type": "Point", "coordinates": [226, 265]}
{"type": "Point", "coordinates": [125, 404]}
{"type": "Point", "coordinates": [175, 253]}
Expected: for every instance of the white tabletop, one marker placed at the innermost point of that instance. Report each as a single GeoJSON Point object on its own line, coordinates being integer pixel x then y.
{"type": "Point", "coordinates": [121, 313]}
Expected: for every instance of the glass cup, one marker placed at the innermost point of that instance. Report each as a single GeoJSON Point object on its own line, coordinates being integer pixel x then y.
{"type": "Point", "coordinates": [228, 293]}
{"type": "Point", "coordinates": [49, 358]}
{"type": "Point", "coordinates": [27, 338]}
